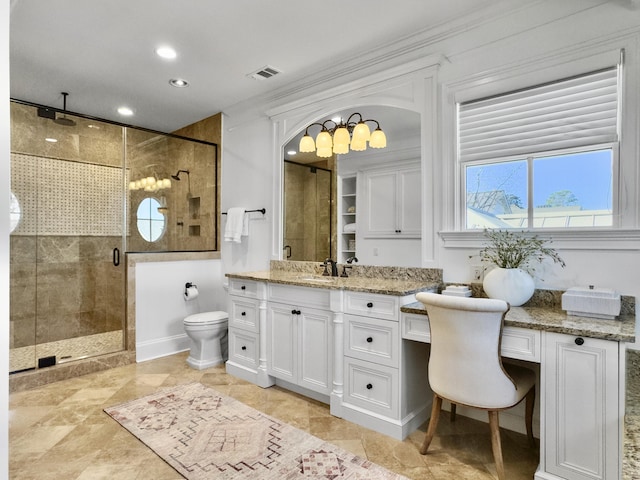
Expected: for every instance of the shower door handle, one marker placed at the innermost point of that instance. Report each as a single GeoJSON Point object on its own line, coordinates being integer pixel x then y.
{"type": "Point", "coordinates": [116, 256]}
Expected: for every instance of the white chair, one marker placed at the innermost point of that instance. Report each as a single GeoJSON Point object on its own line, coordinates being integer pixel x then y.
{"type": "Point", "coordinates": [465, 366]}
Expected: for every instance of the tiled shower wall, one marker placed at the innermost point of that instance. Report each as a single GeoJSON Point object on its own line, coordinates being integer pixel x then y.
{"type": "Point", "coordinates": [308, 210]}
{"type": "Point", "coordinates": [63, 282]}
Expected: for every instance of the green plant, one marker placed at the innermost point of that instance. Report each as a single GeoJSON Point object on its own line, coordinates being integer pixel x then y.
{"type": "Point", "coordinates": [509, 249]}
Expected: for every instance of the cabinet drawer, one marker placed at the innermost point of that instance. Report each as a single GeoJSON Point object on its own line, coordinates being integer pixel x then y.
{"type": "Point", "coordinates": [244, 314]}
{"type": "Point", "coordinates": [243, 348]}
{"type": "Point", "coordinates": [299, 296]}
{"type": "Point", "coordinates": [372, 305]}
{"type": "Point", "coordinates": [244, 288]}
{"type": "Point", "coordinates": [416, 327]}
{"type": "Point", "coordinates": [372, 387]}
{"type": "Point", "coordinates": [372, 339]}
{"type": "Point", "coordinates": [521, 343]}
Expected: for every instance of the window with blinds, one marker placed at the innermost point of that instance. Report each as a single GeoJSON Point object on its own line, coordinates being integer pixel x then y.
{"type": "Point", "coordinates": [542, 157]}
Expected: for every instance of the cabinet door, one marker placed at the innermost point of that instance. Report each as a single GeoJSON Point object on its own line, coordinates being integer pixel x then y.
{"type": "Point", "coordinates": [582, 418]}
{"type": "Point", "coordinates": [381, 204]}
{"type": "Point", "coordinates": [281, 342]}
{"type": "Point", "coordinates": [314, 352]}
{"type": "Point", "coordinates": [409, 202]}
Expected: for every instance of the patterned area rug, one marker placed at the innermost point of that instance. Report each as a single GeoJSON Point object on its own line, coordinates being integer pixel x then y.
{"type": "Point", "coordinates": [204, 434]}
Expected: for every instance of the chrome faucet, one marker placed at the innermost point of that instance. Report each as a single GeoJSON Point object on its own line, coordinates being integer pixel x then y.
{"type": "Point", "coordinates": [334, 268]}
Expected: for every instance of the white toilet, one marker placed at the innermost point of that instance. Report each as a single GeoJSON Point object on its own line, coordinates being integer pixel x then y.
{"type": "Point", "coordinates": [208, 334]}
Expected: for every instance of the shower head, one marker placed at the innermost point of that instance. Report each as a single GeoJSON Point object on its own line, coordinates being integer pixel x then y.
{"type": "Point", "coordinates": [177, 175]}
{"type": "Point", "coordinates": [67, 122]}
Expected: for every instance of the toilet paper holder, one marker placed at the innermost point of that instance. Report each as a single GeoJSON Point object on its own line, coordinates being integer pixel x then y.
{"type": "Point", "coordinates": [187, 286]}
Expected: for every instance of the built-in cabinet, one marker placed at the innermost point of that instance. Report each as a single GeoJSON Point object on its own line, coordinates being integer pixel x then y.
{"type": "Point", "coordinates": [378, 368]}
{"type": "Point", "coordinates": [347, 221]}
{"type": "Point", "coordinates": [390, 205]}
{"type": "Point", "coordinates": [299, 337]}
{"type": "Point", "coordinates": [581, 409]}
{"type": "Point", "coordinates": [581, 395]}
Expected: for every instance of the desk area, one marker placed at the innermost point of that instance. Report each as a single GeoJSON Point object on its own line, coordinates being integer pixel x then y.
{"type": "Point", "coordinates": [582, 386]}
{"type": "Point", "coordinates": [360, 345]}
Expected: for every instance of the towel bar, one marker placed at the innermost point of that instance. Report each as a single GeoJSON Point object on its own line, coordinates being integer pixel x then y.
{"type": "Point", "coordinates": [261, 210]}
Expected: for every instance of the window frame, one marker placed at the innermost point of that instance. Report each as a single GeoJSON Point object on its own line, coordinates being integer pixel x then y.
{"type": "Point", "coordinates": [150, 220]}
{"type": "Point", "coordinates": [468, 85]}
{"type": "Point", "coordinates": [615, 149]}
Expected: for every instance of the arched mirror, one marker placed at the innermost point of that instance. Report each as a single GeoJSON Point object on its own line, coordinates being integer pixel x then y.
{"type": "Point", "coordinates": [361, 203]}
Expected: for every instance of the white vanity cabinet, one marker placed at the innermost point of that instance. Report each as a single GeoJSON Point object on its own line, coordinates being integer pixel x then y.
{"type": "Point", "coordinates": [392, 202]}
{"type": "Point", "coordinates": [247, 320]}
{"type": "Point", "coordinates": [385, 382]}
{"type": "Point", "coordinates": [299, 337]}
{"type": "Point", "coordinates": [582, 421]}
{"type": "Point", "coordinates": [244, 327]}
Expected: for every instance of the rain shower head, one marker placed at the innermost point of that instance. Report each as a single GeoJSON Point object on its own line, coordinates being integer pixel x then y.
{"type": "Point", "coordinates": [177, 175]}
{"type": "Point", "coordinates": [67, 122]}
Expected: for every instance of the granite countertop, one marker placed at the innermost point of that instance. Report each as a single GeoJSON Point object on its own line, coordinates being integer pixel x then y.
{"type": "Point", "coordinates": [385, 286]}
{"type": "Point", "coordinates": [552, 320]}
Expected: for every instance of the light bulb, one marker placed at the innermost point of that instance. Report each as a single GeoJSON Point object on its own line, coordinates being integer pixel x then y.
{"type": "Point", "coordinates": [323, 140]}
{"type": "Point", "coordinates": [361, 132]}
{"type": "Point", "coordinates": [324, 152]}
{"type": "Point", "coordinates": [307, 144]}
{"type": "Point", "coordinates": [378, 139]}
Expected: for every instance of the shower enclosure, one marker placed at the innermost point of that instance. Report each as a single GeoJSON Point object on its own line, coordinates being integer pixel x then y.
{"type": "Point", "coordinates": [76, 208]}
{"type": "Point", "coordinates": [307, 212]}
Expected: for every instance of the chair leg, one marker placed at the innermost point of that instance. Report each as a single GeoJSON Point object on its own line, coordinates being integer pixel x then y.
{"type": "Point", "coordinates": [530, 401]}
{"type": "Point", "coordinates": [433, 423]}
{"type": "Point", "coordinates": [494, 424]}
{"type": "Point", "coordinates": [452, 416]}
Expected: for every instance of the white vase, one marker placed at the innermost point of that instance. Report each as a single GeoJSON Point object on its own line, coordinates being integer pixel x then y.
{"type": "Point", "coordinates": [509, 284]}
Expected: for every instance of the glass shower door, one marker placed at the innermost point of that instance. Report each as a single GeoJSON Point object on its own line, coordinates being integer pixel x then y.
{"type": "Point", "coordinates": [67, 288]}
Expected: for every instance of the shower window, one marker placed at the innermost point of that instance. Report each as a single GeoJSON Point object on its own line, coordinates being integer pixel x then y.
{"type": "Point", "coordinates": [151, 223]}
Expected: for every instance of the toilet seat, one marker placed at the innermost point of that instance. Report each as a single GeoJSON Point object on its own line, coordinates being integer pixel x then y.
{"type": "Point", "coordinates": [207, 318]}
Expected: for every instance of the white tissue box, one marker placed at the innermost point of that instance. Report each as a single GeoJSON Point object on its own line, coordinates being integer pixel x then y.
{"type": "Point", "coordinates": [457, 291]}
{"type": "Point", "coordinates": [591, 302]}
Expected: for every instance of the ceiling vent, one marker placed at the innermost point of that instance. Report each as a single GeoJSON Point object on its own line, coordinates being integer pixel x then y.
{"type": "Point", "coordinates": [264, 73]}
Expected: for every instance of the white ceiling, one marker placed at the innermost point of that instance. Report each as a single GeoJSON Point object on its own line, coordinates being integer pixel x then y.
{"type": "Point", "coordinates": [102, 52]}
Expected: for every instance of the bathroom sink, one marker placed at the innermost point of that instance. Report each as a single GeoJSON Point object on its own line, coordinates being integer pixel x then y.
{"type": "Point", "coordinates": [312, 278]}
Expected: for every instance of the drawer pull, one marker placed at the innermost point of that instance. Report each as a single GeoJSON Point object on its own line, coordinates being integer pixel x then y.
{"type": "Point", "coordinates": [369, 339]}
{"type": "Point", "coordinates": [244, 314]}
{"type": "Point", "coordinates": [369, 304]}
{"type": "Point", "coordinates": [369, 386]}
{"type": "Point", "coordinates": [295, 312]}
{"type": "Point", "coordinates": [244, 347]}
{"type": "Point", "coordinates": [579, 341]}
{"type": "Point", "coordinates": [243, 287]}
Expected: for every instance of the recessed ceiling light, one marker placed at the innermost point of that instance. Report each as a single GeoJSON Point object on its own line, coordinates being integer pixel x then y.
{"type": "Point", "coordinates": [126, 111]}
{"type": "Point", "coordinates": [291, 152]}
{"type": "Point", "coordinates": [51, 140]}
{"type": "Point", "coordinates": [336, 119]}
{"type": "Point", "coordinates": [166, 52]}
{"type": "Point", "coordinates": [178, 82]}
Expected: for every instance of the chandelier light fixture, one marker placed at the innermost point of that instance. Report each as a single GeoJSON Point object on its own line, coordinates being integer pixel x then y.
{"type": "Point", "coordinates": [150, 184]}
{"type": "Point", "coordinates": [342, 136]}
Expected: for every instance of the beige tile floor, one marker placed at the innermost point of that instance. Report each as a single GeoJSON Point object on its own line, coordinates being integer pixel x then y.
{"type": "Point", "coordinates": [60, 432]}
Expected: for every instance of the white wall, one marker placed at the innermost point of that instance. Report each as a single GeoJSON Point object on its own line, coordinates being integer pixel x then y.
{"type": "Point", "coordinates": [161, 308]}
{"type": "Point", "coordinates": [247, 181]}
{"type": "Point", "coordinates": [525, 43]}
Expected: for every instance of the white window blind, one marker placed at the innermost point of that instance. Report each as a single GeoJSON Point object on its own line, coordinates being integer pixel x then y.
{"type": "Point", "coordinates": [569, 113]}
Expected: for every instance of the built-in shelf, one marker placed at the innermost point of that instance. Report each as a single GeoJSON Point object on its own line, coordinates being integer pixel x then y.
{"type": "Point", "coordinates": [348, 214]}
